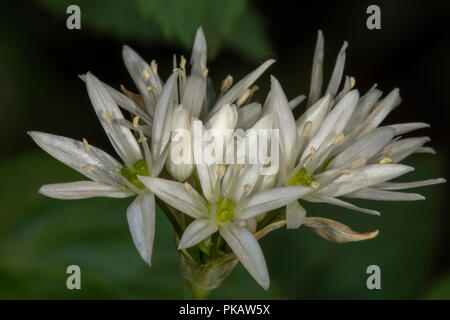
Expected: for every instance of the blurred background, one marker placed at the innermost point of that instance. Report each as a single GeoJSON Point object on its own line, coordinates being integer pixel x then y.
{"type": "Point", "coordinates": [39, 63]}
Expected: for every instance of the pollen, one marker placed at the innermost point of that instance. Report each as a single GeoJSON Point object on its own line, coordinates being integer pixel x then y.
{"type": "Point", "coordinates": [183, 63]}
{"type": "Point", "coordinates": [204, 71]}
{"type": "Point", "coordinates": [88, 168]}
{"type": "Point", "coordinates": [358, 163]}
{"type": "Point", "coordinates": [86, 144]}
{"type": "Point", "coordinates": [226, 83]}
{"type": "Point", "coordinates": [247, 187]}
{"type": "Point", "coordinates": [150, 88]}
{"type": "Point", "coordinates": [312, 151]}
{"type": "Point", "coordinates": [315, 185]}
{"type": "Point", "coordinates": [154, 66]}
{"type": "Point", "coordinates": [142, 139]}
{"type": "Point", "coordinates": [352, 82]}
{"type": "Point", "coordinates": [339, 138]}
{"type": "Point", "coordinates": [221, 171]}
{"type": "Point", "coordinates": [307, 129]}
{"type": "Point", "coordinates": [146, 74]}
{"type": "Point", "coordinates": [243, 97]}
{"type": "Point", "coordinates": [136, 121]}
{"type": "Point", "coordinates": [108, 117]}
{"type": "Point", "coordinates": [346, 172]}
{"type": "Point", "coordinates": [386, 160]}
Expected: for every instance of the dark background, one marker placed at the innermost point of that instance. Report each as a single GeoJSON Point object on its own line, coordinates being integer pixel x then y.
{"type": "Point", "coordinates": [39, 63]}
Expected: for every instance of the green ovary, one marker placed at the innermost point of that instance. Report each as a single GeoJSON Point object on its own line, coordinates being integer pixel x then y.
{"type": "Point", "coordinates": [301, 178]}
{"type": "Point", "coordinates": [139, 168]}
{"type": "Point", "coordinates": [224, 209]}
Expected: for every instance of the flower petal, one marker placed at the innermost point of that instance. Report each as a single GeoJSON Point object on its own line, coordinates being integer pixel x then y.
{"type": "Point", "coordinates": [248, 115]}
{"type": "Point", "coordinates": [317, 71]}
{"type": "Point", "coordinates": [109, 113]}
{"type": "Point", "coordinates": [408, 185]}
{"type": "Point", "coordinates": [247, 249]}
{"type": "Point", "coordinates": [141, 221]}
{"type": "Point", "coordinates": [403, 128]}
{"type": "Point", "coordinates": [339, 203]}
{"type": "Point", "coordinates": [338, 70]}
{"type": "Point", "coordinates": [383, 195]}
{"type": "Point", "coordinates": [197, 231]}
{"type": "Point", "coordinates": [271, 199]}
{"type": "Point", "coordinates": [181, 196]}
{"type": "Point", "coordinates": [83, 190]}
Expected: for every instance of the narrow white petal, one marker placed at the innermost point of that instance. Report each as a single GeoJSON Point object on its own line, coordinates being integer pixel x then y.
{"type": "Point", "coordinates": [364, 177]}
{"type": "Point", "coordinates": [205, 181]}
{"type": "Point", "coordinates": [295, 214]}
{"type": "Point", "coordinates": [334, 123]}
{"type": "Point", "coordinates": [247, 249]}
{"type": "Point", "coordinates": [226, 117]}
{"type": "Point", "coordinates": [409, 185]}
{"type": "Point", "coordinates": [403, 128]}
{"type": "Point", "coordinates": [108, 113]}
{"type": "Point", "coordinates": [248, 115]}
{"type": "Point", "coordinates": [382, 195]}
{"type": "Point", "coordinates": [363, 108]}
{"type": "Point", "coordinates": [271, 199]}
{"type": "Point", "coordinates": [194, 94]}
{"type": "Point", "coordinates": [197, 231]}
{"type": "Point", "coordinates": [163, 116]}
{"type": "Point", "coordinates": [73, 154]}
{"type": "Point", "coordinates": [199, 54]}
{"type": "Point", "coordinates": [401, 149]}
{"type": "Point", "coordinates": [365, 147]}
{"type": "Point", "coordinates": [338, 70]}
{"type": "Point", "coordinates": [83, 190]}
{"type": "Point", "coordinates": [316, 114]}
{"type": "Point", "coordinates": [239, 88]}
{"type": "Point", "coordinates": [177, 195]}
{"type": "Point", "coordinates": [247, 181]}
{"type": "Point", "coordinates": [296, 101]}
{"type": "Point", "coordinates": [341, 203]}
{"type": "Point", "coordinates": [317, 70]}
{"type": "Point", "coordinates": [141, 221]}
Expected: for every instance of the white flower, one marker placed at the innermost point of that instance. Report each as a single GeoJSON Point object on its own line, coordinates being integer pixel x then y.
{"type": "Point", "coordinates": [109, 177]}
{"type": "Point", "coordinates": [340, 149]}
{"type": "Point", "coordinates": [228, 205]}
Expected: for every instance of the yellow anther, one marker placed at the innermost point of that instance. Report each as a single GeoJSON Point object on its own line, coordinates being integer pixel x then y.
{"type": "Point", "coordinates": [247, 187]}
{"type": "Point", "coordinates": [86, 144]}
{"type": "Point", "coordinates": [307, 129]}
{"type": "Point", "coordinates": [188, 187]}
{"type": "Point", "coordinates": [253, 89]}
{"type": "Point", "coordinates": [146, 74]}
{"type": "Point", "coordinates": [108, 117]}
{"type": "Point", "coordinates": [116, 170]}
{"type": "Point", "coordinates": [315, 185]}
{"type": "Point", "coordinates": [221, 171]}
{"type": "Point", "coordinates": [386, 160]}
{"type": "Point", "coordinates": [175, 69]}
{"type": "Point", "coordinates": [183, 63]}
{"type": "Point", "coordinates": [312, 151]}
{"type": "Point", "coordinates": [150, 88]}
{"type": "Point", "coordinates": [244, 96]}
{"type": "Point", "coordinates": [226, 83]}
{"type": "Point", "coordinates": [154, 67]}
{"type": "Point", "coordinates": [338, 138]}
{"type": "Point", "coordinates": [352, 82]}
{"type": "Point", "coordinates": [136, 121]}
{"type": "Point", "coordinates": [88, 168]}
{"type": "Point", "coordinates": [346, 172]}
{"type": "Point", "coordinates": [204, 71]}
{"type": "Point", "coordinates": [358, 163]}
{"type": "Point", "coordinates": [142, 139]}
{"type": "Point", "coordinates": [387, 151]}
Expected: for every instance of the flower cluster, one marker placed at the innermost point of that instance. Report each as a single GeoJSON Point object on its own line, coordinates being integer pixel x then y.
{"type": "Point", "coordinates": [335, 149]}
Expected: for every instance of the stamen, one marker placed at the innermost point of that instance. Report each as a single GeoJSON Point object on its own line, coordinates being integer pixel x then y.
{"type": "Point", "coordinates": [88, 168]}
{"type": "Point", "coordinates": [386, 160]}
{"type": "Point", "coordinates": [183, 63]}
{"type": "Point", "coordinates": [142, 139]}
{"type": "Point", "coordinates": [352, 82]}
{"type": "Point", "coordinates": [243, 98]}
{"type": "Point", "coordinates": [204, 71]}
{"type": "Point", "coordinates": [358, 163]}
{"type": "Point", "coordinates": [307, 129]}
{"type": "Point", "coordinates": [136, 121]}
{"type": "Point", "coordinates": [146, 74]}
{"type": "Point", "coordinates": [226, 83]}
{"type": "Point", "coordinates": [339, 138]}
{"type": "Point", "coordinates": [221, 171]}
{"type": "Point", "coordinates": [346, 172]}
{"type": "Point", "coordinates": [154, 67]}
{"type": "Point", "coordinates": [315, 185]}
{"type": "Point", "coordinates": [116, 170]}
{"type": "Point", "coordinates": [150, 88]}
{"type": "Point", "coordinates": [312, 151]}
{"type": "Point", "coordinates": [247, 187]}
{"type": "Point", "coordinates": [86, 144]}
{"type": "Point", "coordinates": [108, 117]}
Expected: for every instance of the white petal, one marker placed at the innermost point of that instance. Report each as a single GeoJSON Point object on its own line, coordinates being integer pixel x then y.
{"type": "Point", "coordinates": [194, 94]}
{"type": "Point", "coordinates": [296, 101]}
{"type": "Point", "coordinates": [141, 221]}
{"type": "Point", "coordinates": [83, 190]}
{"type": "Point", "coordinates": [197, 231]}
{"type": "Point", "coordinates": [334, 123]}
{"type": "Point", "coordinates": [248, 115]}
{"type": "Point", "coordinates": [163, 116]}
{"type": "Point", "coordinates": [316, 114]}
{"type": "Point", "coordinates": [365, 147]}
{"type": "Point", "coordinates": [338, 70]}
{"type": "Point", "coordinates": [364, 177]}
{"type": "Point", "coordinates": [408, 185]}
{"type": "Point", "coordinates": [278, 105]}
{"type": "Point", "coordinates": [247, 179]}
{"type": "Point", "coordinates": [199, 55]}
{"type": "Point", "coordinates": [225, 118]}
{"type": "Point", "coordinates": [106, 110]}
{"type": "Point", "coordinates": [362, 110]}
{"type": "Point", "coordinates": [403, 128]}
{"type": "Point", "coordinates": [340, 203]}
{"type": "Point", "coordinates": [382, 195]}
{"type": "Point", "coordinates": [247, 249]}
{"type": "Point", "coordinates": [178, 195]}
{"type": "Point", "coordinates": [317, 70]}
{"type": "Point", "coordinates": [238, 89]}
{"type": "Point", "coordinates": [271, 199]}
{"type": "Point", "coordinates": [401, 149]}
{"type": "Point", "coordinates": [205, 181]}
{"type": "Point", "coordinates": [74, 154]}
{"type": "Point", "coordinates": [295, 214]}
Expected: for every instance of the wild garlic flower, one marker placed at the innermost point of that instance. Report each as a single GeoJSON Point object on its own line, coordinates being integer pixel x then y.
{"type": "Point", "coordinates": [337, 146]}
{"type": "Point", "coordinates": [109, 177]}
{"type": "Point", "coordinates": [229, 206]}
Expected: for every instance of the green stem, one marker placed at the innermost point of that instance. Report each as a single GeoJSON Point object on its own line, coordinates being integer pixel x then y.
{"type": "Point", "coordinates": [198, 293]}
